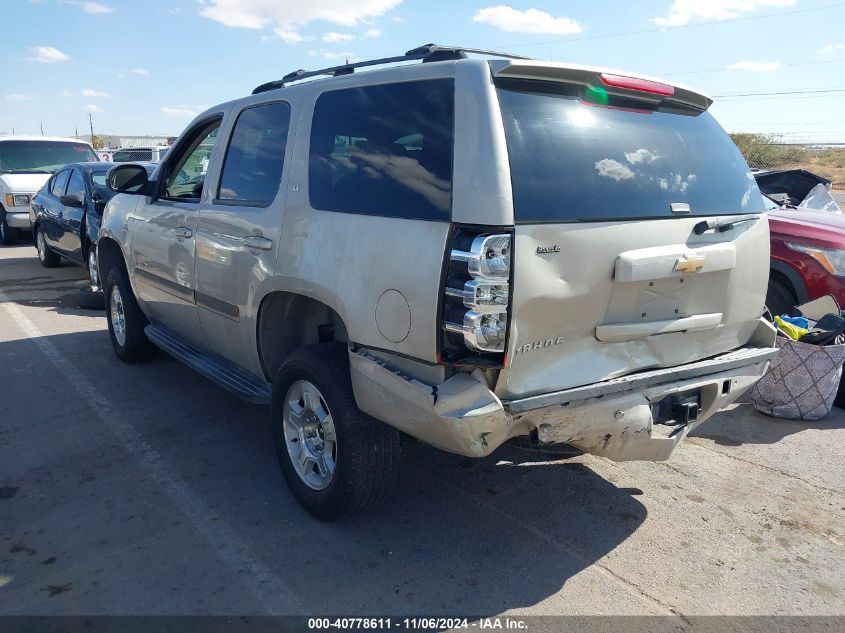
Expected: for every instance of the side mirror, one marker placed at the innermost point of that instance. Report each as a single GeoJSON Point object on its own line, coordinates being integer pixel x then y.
{"type": "Point", "coordinates": [128, 179]}
{"type": "Point", "coordinates": [73, 200]}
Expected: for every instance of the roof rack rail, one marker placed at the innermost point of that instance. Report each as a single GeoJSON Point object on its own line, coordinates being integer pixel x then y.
{"type": "Point", "coordinates": [426, 53]}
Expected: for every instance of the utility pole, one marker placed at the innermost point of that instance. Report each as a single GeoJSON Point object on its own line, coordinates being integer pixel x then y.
{"type": "Point", "coordinates": [91, 125]}
{"type": "Point", "coordinates": [41, 124]}
{"type": "Point", "coordinates": [76, 132]}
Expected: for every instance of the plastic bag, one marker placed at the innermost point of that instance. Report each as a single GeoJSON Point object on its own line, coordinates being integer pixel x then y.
{"type": "Point", "coordinates": [801, 382]}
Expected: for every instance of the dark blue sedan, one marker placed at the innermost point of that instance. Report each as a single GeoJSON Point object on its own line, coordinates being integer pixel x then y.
{"type": "Point", "coordinates": [66, 215]}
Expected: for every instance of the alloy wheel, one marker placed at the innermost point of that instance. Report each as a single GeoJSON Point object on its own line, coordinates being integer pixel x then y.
{"type": "Point", "coordinates": [93, 271]}
{"type": "Point", "coordinates": [41, 245]}
{"type": "Point", "coordinates": [310, 435]}
{"type": "Point", "coordinates": [118, 316]}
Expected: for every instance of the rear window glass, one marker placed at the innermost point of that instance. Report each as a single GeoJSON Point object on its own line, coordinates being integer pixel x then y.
{"type": "Point", "coordinates": [384, 150]}
{"type": "Point", "coordinates": [571, 160]}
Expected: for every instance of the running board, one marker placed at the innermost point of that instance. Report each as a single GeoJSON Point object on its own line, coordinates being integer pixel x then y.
{"type": "Point", "coordinates": [216, 368]}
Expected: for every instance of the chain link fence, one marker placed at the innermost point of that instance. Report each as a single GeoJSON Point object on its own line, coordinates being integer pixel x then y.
{"type": "Point", "coordinates": [769, 151]}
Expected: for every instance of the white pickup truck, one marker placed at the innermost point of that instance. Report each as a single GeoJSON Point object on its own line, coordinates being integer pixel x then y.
{"type": "Point", "coordinates": [26, 162]}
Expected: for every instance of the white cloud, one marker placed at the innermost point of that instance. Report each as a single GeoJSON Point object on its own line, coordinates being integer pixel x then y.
{"type": "Point", "coordinates": [831, 49]}
{"type": "Point", "coordinates": [66, 93]}
{"type": "Point", "coordinates": [96, 7]}
{"type": "Point", "coordinates": [139, 71]}
{"type": "Point", "coordinates": [613, 169]}
{"type": "Point", "coordinates": [755, 67]}
{"type": "Point", "coordinates": [642, 155]}
{"type": "Point", "coordinates": [333, 55]}
{"type": "Point", "coordinates": [291, 37]}
{"type": "Point", "coordinates": [372, 33]}
{"type": "Point", "coordinates": [686, 11]}
{"type": "Point", "coordinates": [182, 111]}
{"type": "Point", "coordinates": [529, 21]}
{"type": "Point", "coordinates": [93, 109]}
{"type": "Point", "coordinates": [47, 55]}
{"type": "Point", "coordinates": [88, 92]}
{"type": "Point", "coordinates": [288, 16]}
{"type": "Point", "coordinates": [332, 37]}
{"type": "Point", "coordinates": [15, 97]}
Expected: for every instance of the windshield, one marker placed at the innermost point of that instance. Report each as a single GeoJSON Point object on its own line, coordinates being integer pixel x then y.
{"type": "Point", "coordinates": [573, 160]}
{"type": "Point", "coordinates": [43, 156]}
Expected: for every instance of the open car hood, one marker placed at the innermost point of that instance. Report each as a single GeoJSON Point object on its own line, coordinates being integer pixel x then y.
{"type": "Point", "coordinates": [797, 188]}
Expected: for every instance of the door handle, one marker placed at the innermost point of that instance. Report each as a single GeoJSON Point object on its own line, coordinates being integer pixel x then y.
{"type": "Point", "coordinates": [256, 241]}
{"type": "Point", "coordinates": [183, 231]}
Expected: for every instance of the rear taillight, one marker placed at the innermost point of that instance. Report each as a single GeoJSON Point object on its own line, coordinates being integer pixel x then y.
{"type": "Point", "coordinates": [634, 83]}
{"type": "Point", "coordinates": [477, 295]}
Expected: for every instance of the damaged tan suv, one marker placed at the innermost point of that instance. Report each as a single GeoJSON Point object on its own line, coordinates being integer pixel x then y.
{"type": "Point", "coordinates": [463, 250]}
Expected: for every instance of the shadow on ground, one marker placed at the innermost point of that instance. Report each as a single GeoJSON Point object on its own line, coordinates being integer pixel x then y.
{"type": "Point", "coordinates": [468, 536]}
{"type": "Point", "coordinates": [735, 427]}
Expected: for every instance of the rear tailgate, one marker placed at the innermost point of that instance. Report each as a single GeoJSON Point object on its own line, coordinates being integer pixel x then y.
{"type": "Point", "coordinates": [609, 275]}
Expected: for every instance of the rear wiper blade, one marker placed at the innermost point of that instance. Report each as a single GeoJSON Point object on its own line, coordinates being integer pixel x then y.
{"type": "Point", "coordinates": [720, 226]}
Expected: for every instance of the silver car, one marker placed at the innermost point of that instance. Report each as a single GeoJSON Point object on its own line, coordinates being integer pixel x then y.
{"type": "Point", "coordinates": [464, 250]}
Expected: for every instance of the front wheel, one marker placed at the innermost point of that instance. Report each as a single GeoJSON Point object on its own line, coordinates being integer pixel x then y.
{"type": "Point", "coordinates": [93, 270]}
{"type": "Point", "coordinates": [337, 460]}
{"type": "Point", "coordinates": [46, 257]}
{"type": "Point", "coordinates": [126, 321]}
{"type": "Point", "coordinates": [779, 299]}
{"type": "Point", "coordinates": [8, 235]}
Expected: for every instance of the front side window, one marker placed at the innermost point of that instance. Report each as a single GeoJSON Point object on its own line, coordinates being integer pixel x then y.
{"type": "Point", "coordinates": [59, 183]}
{"type": "Point", "coordinates": [252, 169]}
{"type": "Point", "coordinates": [76, 185]}
{"type": "Point", "coordinates": [384, 150]}
{"type": "Point", "coordinates": [186, 174]}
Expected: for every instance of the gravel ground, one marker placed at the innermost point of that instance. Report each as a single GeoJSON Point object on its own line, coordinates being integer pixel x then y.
{"type": "Point", "coordinates": [148, 490]}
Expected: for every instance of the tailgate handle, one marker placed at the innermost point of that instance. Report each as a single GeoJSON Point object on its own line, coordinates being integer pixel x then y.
{"type": "Point", "coordinates": [637, 330]}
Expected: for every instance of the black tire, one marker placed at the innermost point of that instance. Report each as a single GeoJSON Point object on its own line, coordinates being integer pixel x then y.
{"type": "Point", "coordinates": [8, 235]}
{"type": "Point", "coordinates": [135, 346]}
{"type": "Point", "coordinates": [780, 299]}
{"type": "Point", "coordinates": [367, 461]}
{"type": "Point", "coordinates": [47, 257]}
{"type": "Point", "coordinates": [89, 299]}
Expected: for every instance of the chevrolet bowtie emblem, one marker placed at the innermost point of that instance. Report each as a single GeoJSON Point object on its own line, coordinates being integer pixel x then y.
{"type": "Point", "coordinates": [689, 264]}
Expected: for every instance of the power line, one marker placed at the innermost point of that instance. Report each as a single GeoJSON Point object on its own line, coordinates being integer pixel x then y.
{"type": "Point", "coordinates": [727, 68]}
{"type": "Point", "coordinates": [784, 92]}
{"type": "Point", "coordinates": [672, 28]}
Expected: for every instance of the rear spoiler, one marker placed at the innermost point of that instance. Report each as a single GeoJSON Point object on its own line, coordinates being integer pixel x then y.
{"type": "Point", "coordinates": [616, 82]}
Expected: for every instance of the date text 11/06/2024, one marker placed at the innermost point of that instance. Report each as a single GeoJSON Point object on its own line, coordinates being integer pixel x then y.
{"type": "Point", "coordinates": [513, 624]}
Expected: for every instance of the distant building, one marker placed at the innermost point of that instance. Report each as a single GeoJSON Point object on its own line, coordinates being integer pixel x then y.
{"type": "Point", "coordinates": [117, 142]}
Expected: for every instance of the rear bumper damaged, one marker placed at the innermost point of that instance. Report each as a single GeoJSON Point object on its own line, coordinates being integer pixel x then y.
{"type": "Point", "coordinates": [613, 418]}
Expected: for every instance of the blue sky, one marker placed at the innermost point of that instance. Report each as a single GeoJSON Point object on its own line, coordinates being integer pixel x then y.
{"type": "Point", "coordinates": [149, 67]}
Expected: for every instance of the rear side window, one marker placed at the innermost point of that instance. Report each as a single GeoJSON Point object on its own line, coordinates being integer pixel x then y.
{"type": "Point", "coordinates": [252, 170]}
{"type": "Point", "coordinates": [571, 160]}
{"type": "Point", "coordinates": [60, 183]}
{"type": "Point", "coordinates": [384, 150]}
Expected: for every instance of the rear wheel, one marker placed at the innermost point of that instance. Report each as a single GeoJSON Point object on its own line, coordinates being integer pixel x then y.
{"type": "Point", "coordinates": [126, 321]}
{"type": "Point", "coordinates": [8, 235]}
{"type": "Point", "coordinates": [780, 299]}
{"type": "Point", "coordinates": [337, 460]}
{"type": "Point", "coordinates": [48, 258]}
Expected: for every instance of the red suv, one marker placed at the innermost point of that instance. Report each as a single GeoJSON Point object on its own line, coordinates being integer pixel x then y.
{"type": "Point", "coordinates": [807, 239]}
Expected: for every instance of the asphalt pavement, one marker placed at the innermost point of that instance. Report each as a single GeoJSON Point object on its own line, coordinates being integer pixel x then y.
{"type": "Point", "coordinates": [146, 489]}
